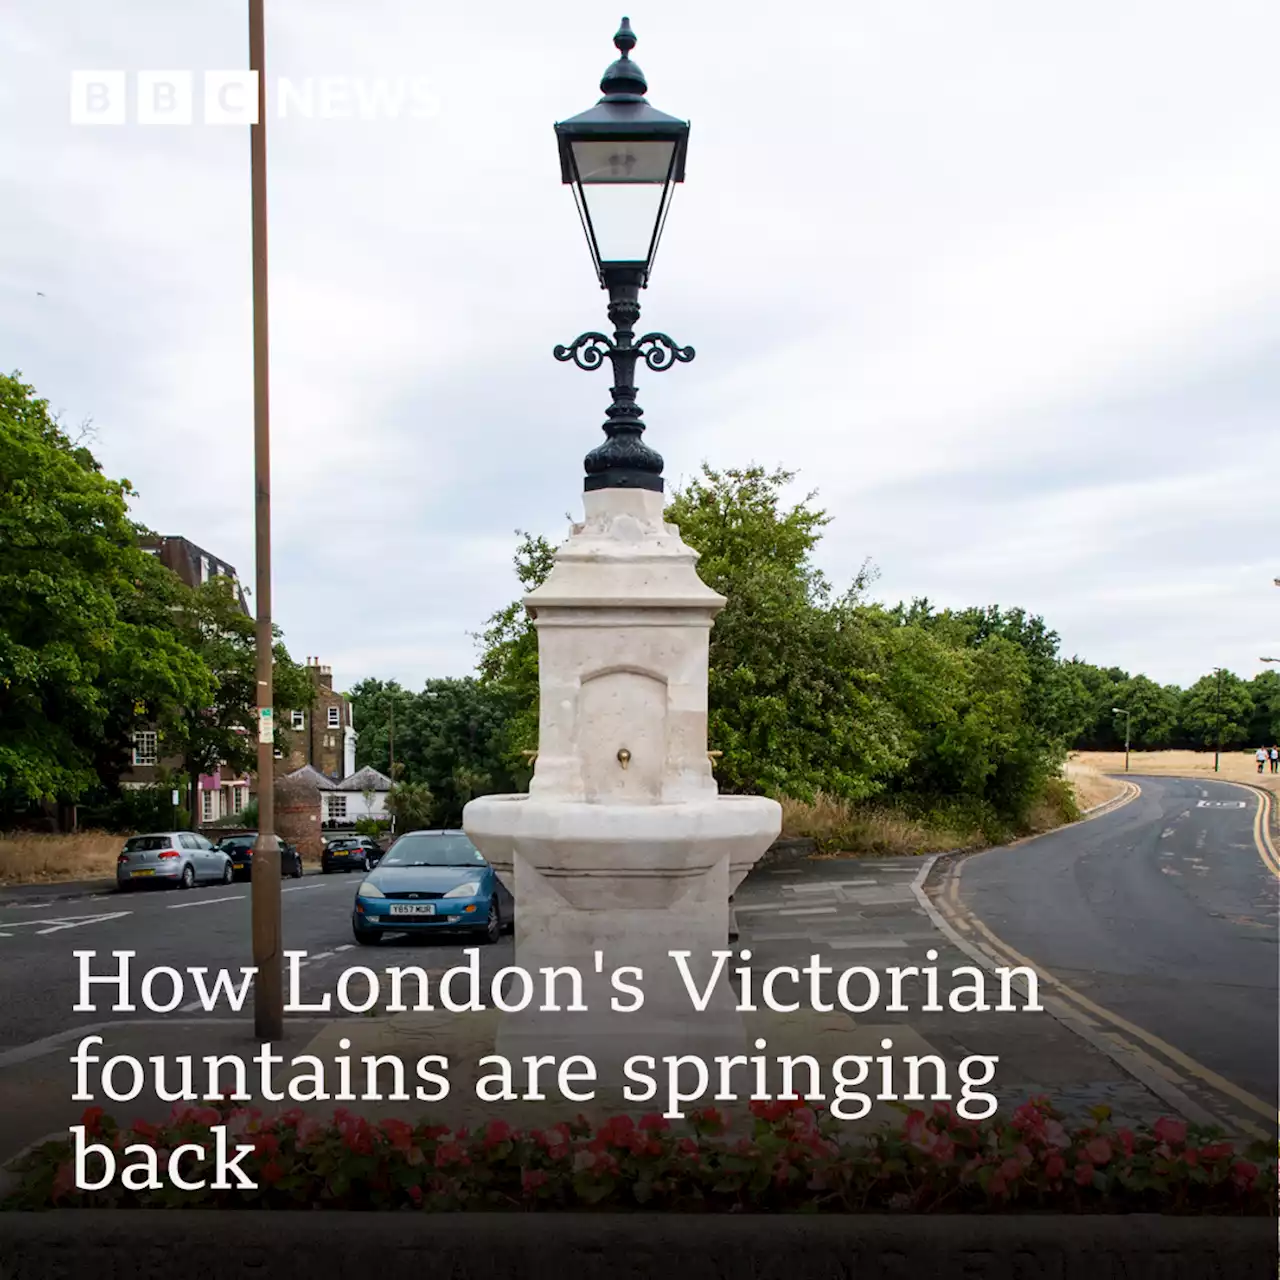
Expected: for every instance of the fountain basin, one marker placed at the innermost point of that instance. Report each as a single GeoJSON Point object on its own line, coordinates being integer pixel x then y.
{"type": "Point", "coordinates": [597, 857]}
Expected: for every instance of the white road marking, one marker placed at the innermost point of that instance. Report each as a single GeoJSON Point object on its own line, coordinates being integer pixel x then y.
{"type": "Point", "coordinates": [70, 922]}
{"type": "Point", "coordinates": [59, 923]}
{"type": "Point", "coordinates": [864, 944]}
{"type": "Point", "coordinates": [1166, 833]}
{"type": "Point", "coordinates": [826, 886]}
{"type": "Point", "coordinates": [809, 911]}
{"type": "Point", "coordinates": [205, 902]}
{"type": "Point", "coordinates": [322, 955]}
{"type": "Point", "coordinates": [346, 946]}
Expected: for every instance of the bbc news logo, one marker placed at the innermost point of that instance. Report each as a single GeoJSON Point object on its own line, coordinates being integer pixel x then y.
{"type": "Point", "coordinates": [231, 97]}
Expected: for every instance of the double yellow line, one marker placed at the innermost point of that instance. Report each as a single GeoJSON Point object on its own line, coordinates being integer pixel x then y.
{"type": "Point", "coordinates": [963, 919]}
{"type": "Point", "coordinates": [1262, 828]}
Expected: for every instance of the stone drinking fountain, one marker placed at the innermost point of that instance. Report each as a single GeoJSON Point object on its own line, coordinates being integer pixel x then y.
{"type": "Point", "coordinates": [623, 850]}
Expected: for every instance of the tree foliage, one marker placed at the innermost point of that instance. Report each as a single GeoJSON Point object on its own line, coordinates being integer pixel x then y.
{"type": "Point", "coordinates": [98, 638]}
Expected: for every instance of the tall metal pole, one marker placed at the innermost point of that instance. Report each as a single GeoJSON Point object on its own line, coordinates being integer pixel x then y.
{"type": "Point", "coordinates": [268, 992]}
{"type": "Point", "coordinates": [1217, 752]}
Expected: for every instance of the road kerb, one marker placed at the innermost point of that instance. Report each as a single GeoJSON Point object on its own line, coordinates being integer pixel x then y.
{"type": "Point", "coordinates": [1126, 1057]}
{"type": "Point", "coordinates": [1085, 1016]}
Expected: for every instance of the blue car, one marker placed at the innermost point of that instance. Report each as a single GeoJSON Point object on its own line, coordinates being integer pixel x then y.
{"type": "Point", "coordinates": [431, 881]}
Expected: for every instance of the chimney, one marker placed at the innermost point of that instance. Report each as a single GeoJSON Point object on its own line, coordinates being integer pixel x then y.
{"type": "Point", "coordinates": [324, 676]}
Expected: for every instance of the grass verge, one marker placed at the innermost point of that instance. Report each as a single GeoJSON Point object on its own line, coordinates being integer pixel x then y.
{"type": "Point", "coordinates": [28, 857]}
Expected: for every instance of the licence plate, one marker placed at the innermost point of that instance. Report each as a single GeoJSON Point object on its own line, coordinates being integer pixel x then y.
{"type": "Point", "coordinates": [148, 872]}
{"type": "Point", "coordinates": [412, 909]}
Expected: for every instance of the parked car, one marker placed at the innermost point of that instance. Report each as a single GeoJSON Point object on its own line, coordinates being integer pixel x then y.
{"type": "Point", "coordinates": [432, 880]}
{"type": "Point", "coordinates": [240, 848]}
{"type": "Point", "coordinates": [350, 853]}
{"type": "Point", "coordinates": [171, 857]}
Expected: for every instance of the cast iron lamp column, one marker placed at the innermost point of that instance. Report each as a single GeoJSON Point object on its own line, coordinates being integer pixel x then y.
{"type": "Point", "coordinates": [624, 460]}
{"type": "Point", "coordinates": [622, 157]}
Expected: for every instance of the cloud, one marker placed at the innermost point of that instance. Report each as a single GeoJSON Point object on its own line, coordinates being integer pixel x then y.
{"type": "Point", "coordinates": [1004, 283]}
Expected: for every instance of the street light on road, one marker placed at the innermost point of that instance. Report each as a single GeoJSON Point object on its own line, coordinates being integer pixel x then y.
{"type": "Point", "coordinates": [1128, 724]}
{"type": "Point", "coordinates": [1217, 751]}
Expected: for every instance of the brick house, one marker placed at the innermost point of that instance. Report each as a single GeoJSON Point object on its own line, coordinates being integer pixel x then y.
{"type": "Point", "coordinates": [220, 793]}
{"type": "Point", "coordinates": [325, 736]}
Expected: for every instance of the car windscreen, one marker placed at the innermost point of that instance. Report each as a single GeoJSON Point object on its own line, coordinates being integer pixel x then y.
{"type": "Point", "coordinates": [433, 851]}
{"type": "Point", "coordinates": [147, 844]}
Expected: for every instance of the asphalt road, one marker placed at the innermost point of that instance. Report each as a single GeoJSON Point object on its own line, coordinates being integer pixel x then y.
{"type": "Point", "coordinates": [39, 974]}
{"type": "Point", "coordinates": [1162, 912]}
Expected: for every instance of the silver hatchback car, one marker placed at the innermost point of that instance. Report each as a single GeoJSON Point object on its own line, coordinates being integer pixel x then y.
{"type": "Point", "coordinates": [171, 857]}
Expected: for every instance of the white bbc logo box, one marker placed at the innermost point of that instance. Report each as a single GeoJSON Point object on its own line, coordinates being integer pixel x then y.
{"type": "Point", "coordinates": [231, 97]}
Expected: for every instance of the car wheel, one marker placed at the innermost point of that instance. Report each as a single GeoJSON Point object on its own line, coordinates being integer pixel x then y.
{"type": "Point", "coordinates": [124, 886]}
{"type": "Point", "coordinates": [492, 931]}
{"type": "Point", "coordinates": [188, 877]}
{"type": "Point", "coordinates": [297, 868]}
{"type": "Point", "coordinates": [365, 937]}
{"type": "Point", "coordinates": [228, 872]}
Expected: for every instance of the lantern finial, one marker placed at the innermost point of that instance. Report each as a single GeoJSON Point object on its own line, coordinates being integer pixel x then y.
{"type": "Point", "coordinates": [624, 77]}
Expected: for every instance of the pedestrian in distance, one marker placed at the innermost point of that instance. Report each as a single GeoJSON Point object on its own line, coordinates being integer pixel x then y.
{"type": "Point", "coordinates": [1275, 758]}
{"type": "Point", "coordinates": [1261, 757]}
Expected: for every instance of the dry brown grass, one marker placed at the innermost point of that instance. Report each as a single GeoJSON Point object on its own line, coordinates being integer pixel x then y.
{"type": "Point", "coordinates": [839, 826]}
{"type": "Point", "coordinates": [1091, 787]}
{"type": "Point", "coordinates": [1235, 766]}
{"type": "Point", "coordinates": [31, 858]}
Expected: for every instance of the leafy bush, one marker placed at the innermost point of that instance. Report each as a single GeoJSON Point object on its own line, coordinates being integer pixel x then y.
{"type": "Point", "coordinates": [794, 1158]}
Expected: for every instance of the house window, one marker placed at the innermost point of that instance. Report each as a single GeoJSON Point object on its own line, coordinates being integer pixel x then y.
{"type": "Point", "coordinates": [237, 798]}
{"type": "Point", "coordinates": [279, 754]}
{"type": "Point", "coordinates": [208, 806]}
{"type": "Point", "coordinates": [204, 568]}
{"type": "Point", "coordinates": [298, 719]}
{"type": "Point", "coordinates": [337, 806]}
{"type": "Point", "coordinates": [335, 721]}
{"type": "Point", "coordinates": [144, 747]}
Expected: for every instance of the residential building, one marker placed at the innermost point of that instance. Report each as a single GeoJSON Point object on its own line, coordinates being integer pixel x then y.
{"type": "Point", "coordinates": [194, 565]}
{"type": "Point", "coordinates": [219, 793]}
{"type": "Point", "coordinates": [323, 737]}
{"type": "Point", "coordinates": [361, 795]}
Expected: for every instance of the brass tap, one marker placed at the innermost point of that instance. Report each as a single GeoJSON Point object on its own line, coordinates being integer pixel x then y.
{"type": "Point", "coordinates": [624, 757]}
{"type": "Point", "coordinates": [530, 756]}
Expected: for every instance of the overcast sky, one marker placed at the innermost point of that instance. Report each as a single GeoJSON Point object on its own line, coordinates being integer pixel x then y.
{"type": "Point", "coordinates": [1000, 280]}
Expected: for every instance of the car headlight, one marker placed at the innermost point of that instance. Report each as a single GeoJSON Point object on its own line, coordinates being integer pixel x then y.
{"type": "Point", "coordinates": [369, 890]}
{"type": "Point", "coordinates": [467, 890]}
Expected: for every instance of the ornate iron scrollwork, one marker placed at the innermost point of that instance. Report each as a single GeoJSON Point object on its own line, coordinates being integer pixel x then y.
{"type": "Point", "coordinates": [587, 351]}
{"type": "Point", "coordinates": [624, 460]}
{"type": "Point", "coordinates": [661, 352]}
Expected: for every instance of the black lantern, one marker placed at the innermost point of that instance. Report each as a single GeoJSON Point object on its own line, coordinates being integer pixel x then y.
{"type": "Point", "coordinates": [623, 159]}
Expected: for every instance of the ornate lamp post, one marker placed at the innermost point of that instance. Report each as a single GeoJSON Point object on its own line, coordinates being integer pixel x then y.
{"type": "Point", "coordinates": [623, 158]}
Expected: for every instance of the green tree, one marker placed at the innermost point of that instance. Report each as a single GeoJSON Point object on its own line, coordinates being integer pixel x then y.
{"type": "Point", "coordinates": [224, 728]}
{"type": "Point", "coordinates": [411, 804]}
{"type": "Point", "coordinates": [796, 680]}
{"type": "Point", "coordinates": [508, 663]}
{"type": "Point", "coordinates": [374, 706]}
{"type": "Point", "coordinates": [80, 646]}
{"type": "Point", "coordinates": [1264, 724]}
{"type": "Point", "coordinates": [1216, 711]}
{"type": "Point", "coordinates": [1154, 711]}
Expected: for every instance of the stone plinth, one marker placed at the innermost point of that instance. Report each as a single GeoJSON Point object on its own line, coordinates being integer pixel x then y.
{"type": "Point", "coordinates": [623, 851]}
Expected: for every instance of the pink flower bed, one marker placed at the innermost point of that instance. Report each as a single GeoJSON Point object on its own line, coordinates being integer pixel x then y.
{"type": "Point", "coordinates": [794, 1158]}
